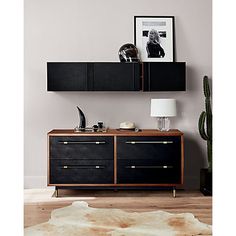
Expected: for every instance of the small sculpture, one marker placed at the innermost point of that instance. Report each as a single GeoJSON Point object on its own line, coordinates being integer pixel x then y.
{"type": "Point", "coordinates": [128, 53]}
{"type": "Point", "coordinates": [82, 123]}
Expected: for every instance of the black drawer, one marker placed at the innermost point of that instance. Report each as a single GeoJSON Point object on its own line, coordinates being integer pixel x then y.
{"type": "Point", "coordinates": [147, 171]}
{"type": "Point", "coordinates": [81, 172]}
{"type": "Point", "coordinates": [86, 147]}
{"type": "Point", "coordinates": [163, 149]}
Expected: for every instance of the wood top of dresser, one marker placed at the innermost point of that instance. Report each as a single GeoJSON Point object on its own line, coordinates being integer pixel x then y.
{"type": "Point", "coordinates": [115, 132]}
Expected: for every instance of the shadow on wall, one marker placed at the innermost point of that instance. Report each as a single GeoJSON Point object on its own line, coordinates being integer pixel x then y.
{"type": "Point", "coordinates": [191, 84]}
{"type": "Point", "coordinates": [195, 159]}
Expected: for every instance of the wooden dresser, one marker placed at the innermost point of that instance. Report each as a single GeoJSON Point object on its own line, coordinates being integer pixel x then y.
{"type": "Point", "coordinates": [115, 159]}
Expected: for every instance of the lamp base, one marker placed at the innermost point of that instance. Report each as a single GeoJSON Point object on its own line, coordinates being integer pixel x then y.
{"type": "Point", "coordinates": [163, 123]}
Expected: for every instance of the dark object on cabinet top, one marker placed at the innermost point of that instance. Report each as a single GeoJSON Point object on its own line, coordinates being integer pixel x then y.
{"type": "Point", "coordinates": [128, 53]}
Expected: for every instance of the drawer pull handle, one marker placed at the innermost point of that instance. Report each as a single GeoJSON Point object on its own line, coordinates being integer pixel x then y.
{"type": "Point", "coordinates": [149, 142]}
{"type": "Point", "coordinates": [148, 167]}
{"type": "Point", "coordinates": [81, 142]}
{"type": "Point", "coordinates": [82, 167]}
{"type": "Point", "coordinates": [100, 142]}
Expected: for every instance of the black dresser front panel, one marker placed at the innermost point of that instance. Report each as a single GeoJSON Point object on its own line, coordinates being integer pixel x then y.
{"type": "Point", "coordinates": [139, 160]}
{"type": "Point", "coordinates": [166, 149]}
{"type": "Point", "coordinates": [83, 147]}
{"type": "Point", "coordinates": [147, 171]}
{"type": "Point", "coordinates": [81, 171]}
{"type": "Point", "coordinates": [149, 159]}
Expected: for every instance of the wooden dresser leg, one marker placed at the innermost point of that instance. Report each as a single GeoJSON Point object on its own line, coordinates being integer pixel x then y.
{"type": "Point", "coordinates": [174, 192]}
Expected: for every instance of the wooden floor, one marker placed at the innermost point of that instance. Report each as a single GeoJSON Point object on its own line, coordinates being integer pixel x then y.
{"type": "Point", "coordinates": [39, 202]}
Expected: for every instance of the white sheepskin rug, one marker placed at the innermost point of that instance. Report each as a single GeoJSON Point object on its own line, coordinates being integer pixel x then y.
{"type": "Point", "coordinates": [79, 219]}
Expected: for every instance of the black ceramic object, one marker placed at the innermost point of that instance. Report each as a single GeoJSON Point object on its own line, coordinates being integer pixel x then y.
{"type": "Point", "coordinates": [128, 53]}
{"type": "Point", "coordinates": [82, 123]}
{"type": "Point", "coordinates": [206, 182]}
{"type": "Point", "coordinates": [95, 128]}
{"type": "Point", "coordinates": [100, 124]}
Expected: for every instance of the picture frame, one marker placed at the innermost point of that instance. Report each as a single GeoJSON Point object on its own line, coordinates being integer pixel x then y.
{"type": "Point", "coordinates": [154, 38]}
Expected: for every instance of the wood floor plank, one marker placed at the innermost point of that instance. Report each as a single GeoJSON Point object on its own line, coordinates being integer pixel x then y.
{"type": "Point", "coordinates": [39, 204]}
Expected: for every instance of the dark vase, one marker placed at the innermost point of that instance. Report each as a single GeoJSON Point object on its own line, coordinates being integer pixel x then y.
{"type": "Point", "coordinates": [206, 182]}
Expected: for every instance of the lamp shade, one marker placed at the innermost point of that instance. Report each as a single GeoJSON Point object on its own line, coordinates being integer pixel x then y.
{"type": "Point", "coordinates": [163, 107]}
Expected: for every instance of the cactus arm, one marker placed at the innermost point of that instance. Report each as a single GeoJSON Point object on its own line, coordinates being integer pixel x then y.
{"type": "Point", "coordinates": [206, 87]}
{"type": "Point", "coordinates": [201, 125]}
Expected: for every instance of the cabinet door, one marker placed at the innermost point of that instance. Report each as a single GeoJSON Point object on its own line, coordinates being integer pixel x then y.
{"type": "Point", "coordinates": [149, 159]}
{"type": "Point", "coordinates": [68, 76]}
{"type": "Point", "coordinates": [164, 76]}
{"type": "Point", "coordinates": [116, 77]}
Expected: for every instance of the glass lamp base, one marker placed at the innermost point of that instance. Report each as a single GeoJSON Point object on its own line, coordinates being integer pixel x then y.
{"type": "Point", "coordinates": [163, 123]}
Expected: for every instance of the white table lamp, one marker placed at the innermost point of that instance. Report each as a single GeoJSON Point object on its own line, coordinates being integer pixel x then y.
{"type": "Point", "coordinates": [162, 109]}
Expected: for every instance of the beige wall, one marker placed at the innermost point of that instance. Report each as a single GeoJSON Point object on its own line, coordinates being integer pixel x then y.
{"type": "Point", "coordinates": [86, 30]}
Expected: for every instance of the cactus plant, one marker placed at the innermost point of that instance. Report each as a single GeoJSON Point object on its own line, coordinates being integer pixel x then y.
{"type": "Point", "coordinates": [205, 121]}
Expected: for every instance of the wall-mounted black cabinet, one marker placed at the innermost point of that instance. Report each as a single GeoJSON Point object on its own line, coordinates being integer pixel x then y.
{"type": "Point", "coordinates": [164, 76]}
{"type": "Point", "coordinates": [116, 76]}
{"type": "Point", "coordinates": [99, 76]}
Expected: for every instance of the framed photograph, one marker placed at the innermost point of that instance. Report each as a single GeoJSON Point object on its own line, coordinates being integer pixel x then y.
{"type": "Point", "coordinates": [154, 38]}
